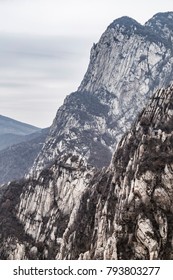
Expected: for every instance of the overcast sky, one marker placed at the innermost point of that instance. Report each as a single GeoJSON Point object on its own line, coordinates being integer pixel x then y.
{"type": "Point", "coordinates": [45, 46]}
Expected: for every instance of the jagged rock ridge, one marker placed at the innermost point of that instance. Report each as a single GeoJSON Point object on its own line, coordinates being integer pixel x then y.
{"type": "Point", "coordinates": [127, 65]}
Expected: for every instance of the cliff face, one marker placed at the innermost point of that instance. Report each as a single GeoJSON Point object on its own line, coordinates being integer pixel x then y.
{"type": "Point", "coordinates": [127, 209]}
{"type": "Point", "coordinates": [133, 210]}
{"type": "Point", "coordinates": [42, 210]}
{"type": "Point", "coordinates": [122, 212]}
{"type": "Point", "coordinates": [127, 65]}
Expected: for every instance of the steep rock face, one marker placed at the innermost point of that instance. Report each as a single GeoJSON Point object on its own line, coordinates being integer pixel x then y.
{"type": "Point", "coordinates": [132, 202]}
{"type": "Point", "coordinates": [123, 212]}
{"type": "Point", "coordinates": [11, 231]}
{"type": "Point", "coordinates": [80, 127]}
{"type": "Point", "coordinates": [162, 23]}
{"type": "Point", "coordinates": [46, 210]}
{"type": "Point", "coordinates": [128, 63]}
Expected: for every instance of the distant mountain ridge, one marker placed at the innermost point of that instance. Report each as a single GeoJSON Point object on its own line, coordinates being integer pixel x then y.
{"type": "Point", "coordinates": [13, 131]}
{"type": "Point", "coordinates": [20, 143]}
{"type": "Point", "coordinates": [16, 160]}
{"type": "Point", "coordinates": [9, 125]}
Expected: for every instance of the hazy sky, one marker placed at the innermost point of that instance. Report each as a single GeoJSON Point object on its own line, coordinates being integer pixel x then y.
{"type": "Point", "coordinates": [45, 46]}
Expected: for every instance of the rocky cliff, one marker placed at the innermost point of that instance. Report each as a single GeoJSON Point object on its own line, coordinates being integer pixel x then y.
{"type": "Point", "coordinates": [123, 212]}
{"type": "Point", "coordinates": [132, 201]}
{"type": "Point", "coordinates": [42, 210]}
{"type": "Point", "coordinates": [127, 65]}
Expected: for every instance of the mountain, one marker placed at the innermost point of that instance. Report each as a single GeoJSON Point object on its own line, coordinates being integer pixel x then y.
{"type": "Point", "coordinates": [8, 125]}
{"type": "Point", "coordinates": [131, 203]}
{"type": "Point", "coordinates": [128, 64]}
{"type": "Point", "coordinates": [68, 208]}
{"type": "Point", "coordinates": [20, 144]}
{"type": "Point", "coordinates": [72, 211]}
{"type": "Point", "coordinates": [13, 132]}
{"type": "Point", "coordinates": [16, 160]}
{"type": "Point", "coordinates": [48, 206]}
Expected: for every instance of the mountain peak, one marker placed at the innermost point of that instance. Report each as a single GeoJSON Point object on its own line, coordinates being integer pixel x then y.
{"type": "Point", "coordinates": [126, 66]}
{"type": "Point", "coordinates": [163, 16]}
{"type": "Point", "coordinates": [125, 21]}
{"type": "Point", "coordinates": [128, 27]}
{"type": "Point", "coordinates": [162, 24]}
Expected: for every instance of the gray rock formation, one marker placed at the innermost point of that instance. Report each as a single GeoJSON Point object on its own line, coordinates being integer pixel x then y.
{"type": "Point", "coordinates": [133, 199]}
{"type": "Point", "coordinates": [123, 212]}
{"type": "Point", "coordinates": [127, 65]}
{"type": "Point", "coordinates": [45, 211]}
